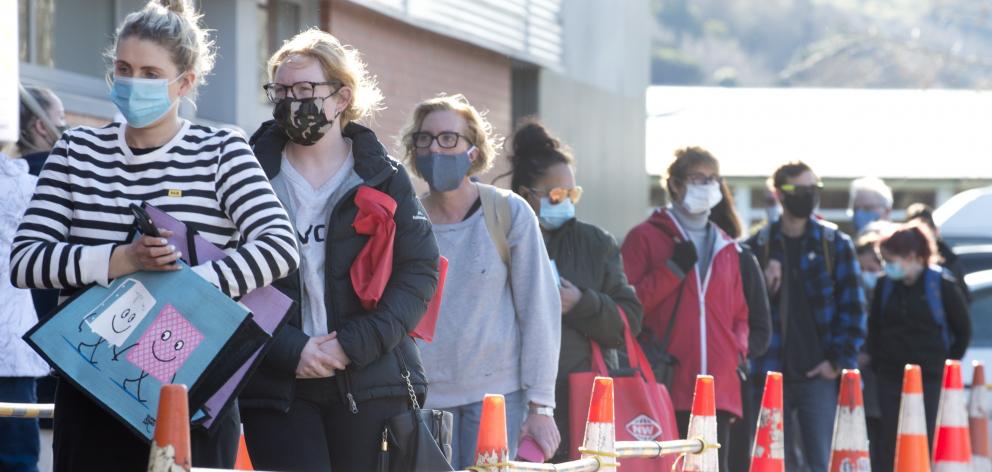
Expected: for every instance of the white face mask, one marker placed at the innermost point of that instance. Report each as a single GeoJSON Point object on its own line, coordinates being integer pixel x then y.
{"type": "Point", "coordinates": [701, 198]}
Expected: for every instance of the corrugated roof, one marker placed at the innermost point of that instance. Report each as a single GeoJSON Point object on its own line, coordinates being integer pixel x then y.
{"type": "Point", "coordinates": [916, 134]}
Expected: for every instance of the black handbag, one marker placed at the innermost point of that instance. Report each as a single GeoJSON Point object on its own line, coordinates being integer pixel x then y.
{"type": "Point", "coordinates": [662, 362]}
{"type": "Point", "coordinates": [418, 440]}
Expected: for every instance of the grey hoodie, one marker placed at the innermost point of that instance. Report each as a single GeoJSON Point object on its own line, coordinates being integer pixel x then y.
{"type": "Point", "coordinates": [498, 331]}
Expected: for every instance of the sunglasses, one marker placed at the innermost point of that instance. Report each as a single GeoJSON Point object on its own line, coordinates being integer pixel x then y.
{"type": "Point", "coordinates": [801, 189]}
{"type": "Point", "coordinates": [559, 194]}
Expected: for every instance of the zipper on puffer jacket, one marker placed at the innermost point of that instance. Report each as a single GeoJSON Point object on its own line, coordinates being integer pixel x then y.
{"type": "Point", "coordinates": [349, 398]}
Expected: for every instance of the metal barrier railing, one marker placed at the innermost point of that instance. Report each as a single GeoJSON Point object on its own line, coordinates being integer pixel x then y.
{"type": "Point", "coordinates": [26, 410]}
{"type": "Point", "coordinates": [624, 449]}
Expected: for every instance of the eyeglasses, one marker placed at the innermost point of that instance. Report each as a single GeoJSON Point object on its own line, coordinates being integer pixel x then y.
{"type": "Point", "coordinates": [702, 179]}
{"type": "Point", "coordinates": [559, 194]}
{"type": "Point", "coordinates": [445, 139]}
{"type": "Point", "coordinates": [801, 189]}
{"type": "Point", "coordinates": [300, 90]}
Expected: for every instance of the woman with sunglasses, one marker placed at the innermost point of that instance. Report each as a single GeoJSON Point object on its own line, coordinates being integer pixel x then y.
{"type": "Point", "coordinates": [592, 287]}
{"type": "Point", "coordinates": [338, 369]}
{"type": "Point", "coordinates": [687, 274]}
{"type": "Point", "coordinates": [500, 322]}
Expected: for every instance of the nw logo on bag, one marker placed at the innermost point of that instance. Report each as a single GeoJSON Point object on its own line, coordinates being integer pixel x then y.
{"type": "Point", "coordinates": [643, 428]}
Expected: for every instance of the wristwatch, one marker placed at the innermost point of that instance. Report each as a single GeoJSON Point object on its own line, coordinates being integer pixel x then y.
{"type": "Point", "coordinates": [543, 410]}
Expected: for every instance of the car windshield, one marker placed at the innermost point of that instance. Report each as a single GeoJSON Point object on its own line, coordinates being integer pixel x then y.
{"type": "Point", "coordinates": [981, 318]}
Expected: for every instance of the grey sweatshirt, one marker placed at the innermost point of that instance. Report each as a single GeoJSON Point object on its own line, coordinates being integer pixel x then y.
{"type": "Point", "coordinates": [498, 331]}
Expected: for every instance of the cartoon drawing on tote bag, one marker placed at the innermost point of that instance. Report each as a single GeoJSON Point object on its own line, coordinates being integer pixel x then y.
{"type": "Point", "coordinates": [162, 349]}
{"type": "Point", "coordinates": [115, 319]}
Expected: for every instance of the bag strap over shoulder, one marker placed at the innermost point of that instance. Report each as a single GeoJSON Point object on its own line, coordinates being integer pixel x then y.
{"type": "Point", "coordinates": [496, 210]}
{"type": "Point", "coordinates": [638, 361]}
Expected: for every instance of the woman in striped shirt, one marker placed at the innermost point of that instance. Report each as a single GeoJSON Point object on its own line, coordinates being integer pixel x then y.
{"type": "Point", "coordinates": [78, 227]}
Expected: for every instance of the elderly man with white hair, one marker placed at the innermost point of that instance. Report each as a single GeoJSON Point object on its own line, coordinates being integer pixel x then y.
{"type": "Point", "coordinates": [871, 200]}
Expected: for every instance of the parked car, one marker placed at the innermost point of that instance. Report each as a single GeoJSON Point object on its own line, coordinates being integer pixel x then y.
{"type": "Point", "coordinates": [964, 218]}
{"type": "Point", "coordinates": [980, 349]}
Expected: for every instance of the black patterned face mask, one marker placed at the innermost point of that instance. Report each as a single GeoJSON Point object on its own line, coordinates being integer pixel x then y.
{"type": "Point", "coordinates": [303, 120]}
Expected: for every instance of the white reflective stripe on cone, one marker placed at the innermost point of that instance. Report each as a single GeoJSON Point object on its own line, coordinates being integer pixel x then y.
{"type": "Point", "coordinates": [976, 404]}
{"type": "Point", "coordinates": [854, 432]}
{"type": "Point", "coordinates": [912, 415]}
{"type": "Point", "coordinates": [600, 442]}
{"type": "Point", "coordinates": [708, 461]}
{"type": "Point", "coordinates": [952, 467]}
{"type": "Point", "coordinates": [953, 410]}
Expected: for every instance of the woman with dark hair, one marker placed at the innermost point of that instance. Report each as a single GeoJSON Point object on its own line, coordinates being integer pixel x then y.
{"type": "Point", "coordinates": [918, 316]}
{"type": "Point", "coordinates": [688, 277]}
{"type": "Point", "coordinates": [759, 325]}
{"type": "Point", "coordinates": [593, 286]}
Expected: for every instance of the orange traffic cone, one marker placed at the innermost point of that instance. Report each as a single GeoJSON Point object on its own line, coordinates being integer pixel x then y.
{"type": "Point", "coordinates": [912, 451]}
{"type": "Point", "coordinates": [491, 449]}
{"type": "Point", "coordinates": [952, 441]}
{"type": "Point", "coordinates": [702, 424]}
{"type": "Point", "coordinates": [170, 448]}
{"type": "Point", "coordinates": [243, 460]}
{"type": "Point", "coordinates": [978, 419]}
{"type": "Point", "coordinates": [850, 445]}
{"type": "Point", "coordinates": [600, 437]}
{"type": "Point", "coordinates": [768, 454]}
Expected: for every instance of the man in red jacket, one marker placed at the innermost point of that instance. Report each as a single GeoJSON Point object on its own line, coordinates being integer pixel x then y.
{"type": "Point", "coordinates": [687, 275]}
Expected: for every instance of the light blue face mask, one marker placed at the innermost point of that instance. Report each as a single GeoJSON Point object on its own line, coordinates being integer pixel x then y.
{"type": "Point", "coordinates": [869, 279]}
{"type": "Point", "coordinates": [894, 270]}
{"type": "Point", "coordinates": [141, 101]}
{"type": "Point", "coordinates": [444, 172]}
{"type": "Point", "coordinates": [863, 218]}
{"type": "Point", "coordinates": [553, 216]}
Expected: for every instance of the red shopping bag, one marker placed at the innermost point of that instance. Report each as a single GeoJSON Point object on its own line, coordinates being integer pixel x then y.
{"type": "Point", "coordinates": [425, 329]}
{"type": "Point", "coordinates": [372, 268]}
{"type": "Point", "coordinates": [644, 410]}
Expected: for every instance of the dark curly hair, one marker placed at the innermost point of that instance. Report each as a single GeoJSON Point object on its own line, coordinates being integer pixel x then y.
{"type": "Point", "coordinates": [535, 150]}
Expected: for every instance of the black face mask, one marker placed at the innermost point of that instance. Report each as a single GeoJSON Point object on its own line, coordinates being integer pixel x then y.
{"type": "Point", "coordinates": [303, 120]}
{"type": "Point", "coordinates": [800, 205]}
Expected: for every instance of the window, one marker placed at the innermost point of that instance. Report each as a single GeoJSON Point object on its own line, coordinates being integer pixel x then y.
{"type": "Point", "coordinates": [278, 20]}
{"type": "Point", "coordinates": [70, 35]}
{"type": "Point", "coordinates": [981, 319]}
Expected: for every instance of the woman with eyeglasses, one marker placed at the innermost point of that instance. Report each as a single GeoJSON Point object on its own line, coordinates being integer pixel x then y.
{"type": "Point", "coordinates": [79, 230]}
{"type": "Point", "coordinates": [339, 368]}
{"type": "Point", "coordinates": [593, 288]}
{"type": "Point", "coordinates": [688, 277]}
{"type": "Point", "coordinates": [500, 321]}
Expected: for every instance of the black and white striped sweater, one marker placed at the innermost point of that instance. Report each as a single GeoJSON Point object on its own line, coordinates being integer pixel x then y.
{"type": "Point", "coordinates": [206, 177]}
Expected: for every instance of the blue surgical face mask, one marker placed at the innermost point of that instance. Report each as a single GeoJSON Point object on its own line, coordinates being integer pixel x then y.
{"type": "Point", "coordinates": [553, 216]}
{"type": "Point", "coordinates": [869, 279]}
{"type": "Point", "coordinates": [894, 270]}
{"type": "Point", "coordinates": [444, 172]}
{"type": "Point", "coordinates": [141, 101]}
{"type": "Point", "coordinates": [863, 218]}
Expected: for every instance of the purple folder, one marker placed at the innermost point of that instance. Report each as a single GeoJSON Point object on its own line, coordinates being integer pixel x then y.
{"type": "Point", "coordinates": [268, 305]}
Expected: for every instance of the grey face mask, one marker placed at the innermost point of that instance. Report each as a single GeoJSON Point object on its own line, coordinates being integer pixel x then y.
{"type": "Point", "coordinates": [444, 172]}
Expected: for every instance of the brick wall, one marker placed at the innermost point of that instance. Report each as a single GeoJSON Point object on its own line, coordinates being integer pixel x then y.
{"type": "Point", "coordinates": [412, 64]}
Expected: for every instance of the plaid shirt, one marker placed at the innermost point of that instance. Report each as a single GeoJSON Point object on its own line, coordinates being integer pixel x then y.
{"type": "Point", "coordinates": [836, 300]}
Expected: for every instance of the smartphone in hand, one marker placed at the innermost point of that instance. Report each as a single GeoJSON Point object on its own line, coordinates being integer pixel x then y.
{"type": "Point", "coordinates": [144, 221]}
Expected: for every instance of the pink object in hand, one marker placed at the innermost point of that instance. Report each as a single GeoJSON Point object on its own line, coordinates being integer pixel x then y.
{"type": "Point", "coordinates": [529, 451]}
{"type": "Point", "coordinates": [164, 347]}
